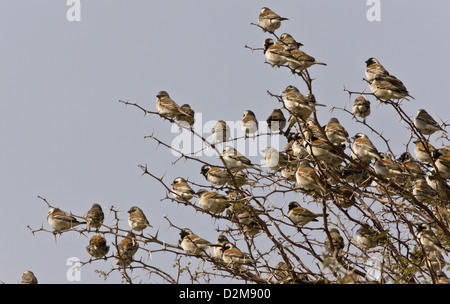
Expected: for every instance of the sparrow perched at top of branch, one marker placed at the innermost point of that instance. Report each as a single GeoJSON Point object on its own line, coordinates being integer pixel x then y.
{"type": "Point", "coordinates": [301, 216]}
{"type": "Point", "coordinates": [361, 107]}
{"type": "Point", "coordinates": [249, 122]}
{"type": "Point", "coordinates": [60, 220]}
{"type": "Point", "coordinates": [299, 105]}
{"type": "Point", "coordinates": [275, 53]}
{"type": "Point", "coordinates": [137, 219]}
{"type": "Point", "coordinates": [425, 123]}
{"type": "Point", "coordinates": [95, 216]}
{"type": "Point", "coordinates": [307, 178]}
{"type": "Point", "coordinates": [268, 20]}
{"type": "Point", "coordinates": [166, 107]}
{"type": "Point", "coordinates": [221, 240]}
{"type": "Point", "coordinates": [276, 121]}
{"type": "Point", "coordinates": [363, 149]}
{"type": "Point", "coordinates": [181, 189]}
{"type": "Point", "coordinates": [221, 131]}
{"type": "Point", "coordinates": [374, 68]}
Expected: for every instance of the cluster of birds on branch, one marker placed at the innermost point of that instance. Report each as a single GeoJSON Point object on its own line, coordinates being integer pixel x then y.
{"type": "Point", "coordinates": [314, 160]}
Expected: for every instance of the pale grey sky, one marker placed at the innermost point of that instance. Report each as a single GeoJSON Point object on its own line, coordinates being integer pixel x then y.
{"type": "Point", "coordinates": [66, 137]}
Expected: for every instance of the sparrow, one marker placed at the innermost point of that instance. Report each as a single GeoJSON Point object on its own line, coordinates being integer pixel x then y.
{"type": "Point", "coordinates": [215, 176]}
{"type": "Point", "coordinates": [275, 159]}
{"type": "Point", "coordinates": [423, 192]}
{"type": "Point", "coordinates": [234, 160]}
{"type": "Point", "coordinates": [166, 107]}
{"type": "Point", "coordinates": [60, 220]}
{"type": "Point", "coordinates": [423, 151]}
{"type": "Point", "coordinates": [249, 123]}
{"type": "Point", "coordinates": [274, 53]}
{"type": "Point", "coordinates": [425, 123]}
{"type": "Point", "coordinates": [28, 277]}
{"type": "Point", "coordinates": [428, 239]}
{"type": "Point", "coordinates": [366, 236]}
{"type": "Point", "coordinates": [353, 175]}
{"type": "Point", "coordinates": [97, 246]}
{"type": "Point", "coordinates": [276, 121]}
{"type": "Point", "coordinates": [301, 216]}
{"type": "Point", "coordinates": [307, 178]}
{"type": "Point", "coordinates": [221, 241]}
{"type": "Point", "coordinates": [188, 118]}
{"type": "Point", "coordinates": [95, 216]}
{"type": "Point", "coordinates": [212, 201]}
{"type": "Point", "coordinates": [193, 244]}
{"type": "Point", "coordinates": [363, 149]}
{"type": "Point", "coordinates": [269, 21]}
{"type": "Point", "coordinates": [337, 241]}
{"type": "Point", "coordinates": [335, 132]}
{"type": "Point", "coordinates": [221, 131]}
{"type": "Point", "coordinates": [137, 219]}
{"type": "Point", "coordinates": [441, 188]}
{"type": "Point", "coordinates": [374, 68]}
{"type": "Point", "coordinates": [324, 152]}
{"type": "Point", "coordinates": [410, 165]}
{"type": "Point", "coordinates": [442, 163]}
{"type": "Point", "coordinates": [284, 274]}
{"type": "Point", "coordinates": [387, 168]}
{"type": "Point", "coordinates": [181, 189]}
{"type": "Point", "coordinates": [299, 105]}
{"type": "Point", "coordinates": [361, 107]}
{"type": "Point", "coordinates": [234, 257]}
{"type": "Point", "coordinates": [238, 179]}
{"type": "Point", "coordinates": [344, 198]}
{"type": "Point", "coordinates": [126, 249]}
{"type": "Point", "coordinates": [245, 217]}
{"type": "Point", "coordinates": [388, 87]}
{"type": "Point", "coordinates": [288, 42]}
{"type": "Point", "coordinates": [312, 130]}
{"type": "Point", "coordinates": [298, 147]}
{"type": "Point", "coordinates": [299, 60]}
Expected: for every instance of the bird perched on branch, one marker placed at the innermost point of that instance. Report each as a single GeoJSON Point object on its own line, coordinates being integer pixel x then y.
{"type": "Point", "coordinates": [442, 162]}
{"type": "Point", "coordinates": [361, 107]}
{"type": "Point", "coordinates": [192, 243]}
{"type": "Point", "coordinates": [275, 159]}
{"type": "Point", "coordinates": [221, 131]}
{"type": "Point", "coordinates": [363, 149]}
{"type": "Point", "coordinates": [214, 175]}
{"type": "Point", "coordinates": [95, 216]}
{"type": "Point", "coordinates": [428, 239]}
{"type": "Point", "coordinates": [189, 117]}
{"type": "Point", "coordinates": [374, 69]}
{"type": "Point", "coordinates": [97, 247]}
{"type": "Point", "coordinates": [212, 201]}
{"type": "Point", "coordinates": [234, 160]}
{"type": "Point", "coordinates": [307, 178]}
{"type": "Point", "coordinates": [335, 132]}
{"type": "Point", "coordinates": [366, 236]}
{"type": "Point", "coordinates": [137, 219]}
{"type": "Point", "coordinates": [181, 189]}
{"type": "Point", "coordinates": [126, 249]}
{"type": "Point", "coordinates": [276, 121]}
{"type": "Point", "coordinates": [249, 123]}
{"type": "Point", "coordinates": [235, 257]}
{"type": "Point", "coordinates": [269, 21]}
{"type": "Point", "coordinates": [166, 107]}
{"type": "Point", "coordinates": [288, 42]}
{"type": "Point", "coordinates": [301, 216]}
{"type": "Point", "coordinates": [337, 241]}
{"type": "Point", "coordinates": [426, 124]}
{"type": "Point", "coordinates": [423, 150]}
{"type": "Point", "coordinates": [60, 220]}
{"type": "Point", "coordinates": [28, 277]}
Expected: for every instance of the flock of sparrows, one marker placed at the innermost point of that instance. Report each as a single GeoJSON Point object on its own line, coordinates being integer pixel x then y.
{"type": "Point", "coordinates": [310, 154]}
